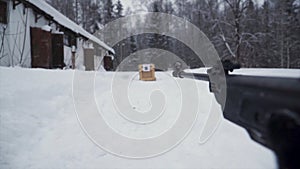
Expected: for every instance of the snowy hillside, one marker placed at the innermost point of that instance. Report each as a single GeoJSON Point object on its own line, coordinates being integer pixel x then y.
{"type": "Point", "coordinates": [39, 126]}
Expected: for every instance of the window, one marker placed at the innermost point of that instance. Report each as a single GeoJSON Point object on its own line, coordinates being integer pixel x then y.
{"type": "Point", "coordinates": [3, 12]}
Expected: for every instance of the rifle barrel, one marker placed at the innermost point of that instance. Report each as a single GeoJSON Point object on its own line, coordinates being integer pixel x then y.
{"type": "Point", "coordinates": [197, 76]}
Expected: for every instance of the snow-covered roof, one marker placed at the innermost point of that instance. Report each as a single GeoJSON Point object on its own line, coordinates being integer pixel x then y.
{"type": "Point", "coordinates": [66, 22]}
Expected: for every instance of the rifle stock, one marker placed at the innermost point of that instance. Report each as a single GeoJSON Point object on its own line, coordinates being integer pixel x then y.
{"type": "Point", "coordinates": [267, 107]}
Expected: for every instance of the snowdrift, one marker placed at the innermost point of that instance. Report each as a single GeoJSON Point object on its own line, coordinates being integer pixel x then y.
{"type": "Point", "coordinates": [39, 127]}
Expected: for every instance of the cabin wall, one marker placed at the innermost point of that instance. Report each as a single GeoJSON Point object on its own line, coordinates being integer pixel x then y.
{"type": "Point", "coordinates": [16, 44]}
{"type": "Point", "coordinates": [79, 55]}
{"type": "Point", "coordinates": [98, 58]}
{"type": "Point", "coordinates": [16, 41]}
{"type": "Point", "coordinates": [68, 56]}
{"type": "Point", "coordinates": [17, 38]}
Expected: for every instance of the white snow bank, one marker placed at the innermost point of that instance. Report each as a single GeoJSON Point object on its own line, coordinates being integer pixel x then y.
{"type": "Point", "coordinates": [46, 28]}
{"type": "Point", "coordinates": [39, 126]}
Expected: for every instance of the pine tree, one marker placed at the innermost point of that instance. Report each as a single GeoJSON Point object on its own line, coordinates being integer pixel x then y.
{"type": "Point", "coordinates": [108, 12]}
{"type": "Point", "coordinates": [119, 9]}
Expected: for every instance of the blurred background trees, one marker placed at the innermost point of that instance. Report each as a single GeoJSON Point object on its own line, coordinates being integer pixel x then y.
{"type": "Point", "coordinates": [255, 33]}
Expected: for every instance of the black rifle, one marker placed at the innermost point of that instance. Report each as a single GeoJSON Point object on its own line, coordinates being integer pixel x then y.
{"type": "Point", "coordinates": [267, 107]}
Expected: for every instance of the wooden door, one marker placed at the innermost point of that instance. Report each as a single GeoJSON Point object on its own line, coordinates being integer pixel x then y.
{"type": "Point", "coordinates": [41, 48]}
{"type": "Point", "coordinates": [89, 60]}
{"type": "Point", "coordinates": [108, 63]}
{"type": "Point", "coordinates": [58, 51]}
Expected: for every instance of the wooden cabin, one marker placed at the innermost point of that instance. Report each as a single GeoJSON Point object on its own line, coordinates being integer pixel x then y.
{"type": "Point", "coordinates": [34, 34]}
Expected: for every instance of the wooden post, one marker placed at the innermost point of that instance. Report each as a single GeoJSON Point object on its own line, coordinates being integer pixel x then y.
{"type": "Point", "coordinates": [73, 56]}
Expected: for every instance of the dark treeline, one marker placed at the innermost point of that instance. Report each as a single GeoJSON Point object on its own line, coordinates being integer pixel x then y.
{"type": "Point", "coordinates": [90, 14]}
{"type": "Point", "coordinates": [135, 43]}
{"type": "Point", "coordinates": [266, 35]}
{"type": "Point", "coordinates": [255, 35]}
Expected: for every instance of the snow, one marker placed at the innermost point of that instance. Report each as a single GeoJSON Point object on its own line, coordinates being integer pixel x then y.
{"type": "Point", "coordinates": [46, 28]}
{"type": "Point", "coordinates": [58, 32]}
{"type": "Point", "coordinates": [63, 20]}
{"type": "Point", "coordinates": [39, 127]}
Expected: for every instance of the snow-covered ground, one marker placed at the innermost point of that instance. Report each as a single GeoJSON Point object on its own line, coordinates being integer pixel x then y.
{"type": "Point", "coordinates": [39, 126]}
